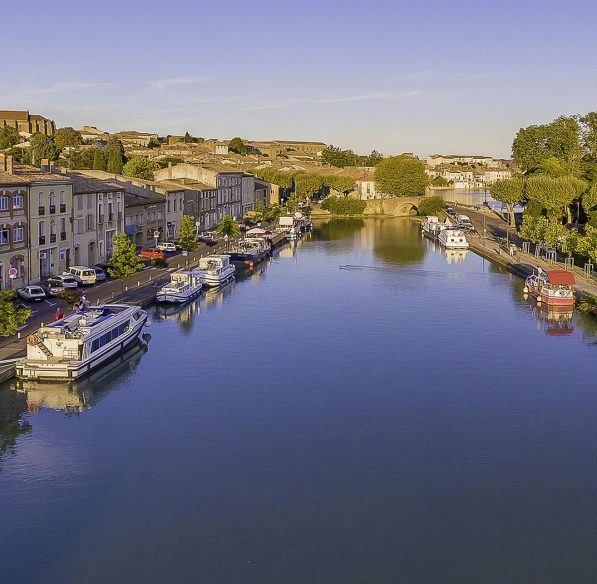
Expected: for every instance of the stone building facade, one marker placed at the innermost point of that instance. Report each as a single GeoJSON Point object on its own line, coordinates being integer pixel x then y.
{"type": "Point", "coordinates": [26, 123]}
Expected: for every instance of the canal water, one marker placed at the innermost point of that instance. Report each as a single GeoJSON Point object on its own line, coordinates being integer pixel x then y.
{"type": "Point", "coordinates": [364, 408]}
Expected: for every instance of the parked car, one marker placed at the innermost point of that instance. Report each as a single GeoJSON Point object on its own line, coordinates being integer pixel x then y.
{"type": "Point", "coordinates": [32, 293]}
{"type": "Point", "coordinates": [167, 246]}
{"type": "Point", "coordinates": [152, 253]}
{"type": "Point", "coordinates": [207, 239]}
{"type": "Point", "coordinates": [83, 275]}
{"type": "Point", "coordinates": [100, 275]}
{"type": "Point", "coordinates": [55, 285]}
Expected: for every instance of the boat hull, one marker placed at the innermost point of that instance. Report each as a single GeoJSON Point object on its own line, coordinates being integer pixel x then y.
{"type": "Point", "coordinates": [548, 300]}
{"type": "Point", "coordinates": [66, 371]}
{"type": "Point", "coordinates": [177, 298]}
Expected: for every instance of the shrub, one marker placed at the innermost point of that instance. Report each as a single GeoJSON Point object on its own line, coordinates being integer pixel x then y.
{"type": "Point", "coordinates": [70, 296]}
{"type": "Point", "coordinates": [160, 263]}
{"type": "Point", "coordinates": [431, 206]}
{"type": "Point", "coordinates": [343, 206]}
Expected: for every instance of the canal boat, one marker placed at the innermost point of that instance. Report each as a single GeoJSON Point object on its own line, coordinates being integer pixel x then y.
{"type": "Point", "coordinates": [215, 269]}
{"type": "Point", "coordinates": [432, 227]}
{"type": "Point", "coordinates": [552, 288]}
{"type": "Point", "coordinates": [249, 251]}
{"type": "Point", "coordinates": [275, 238]}
{"type": "Point", "coordinates": [77, 344]}
{"type": "Point", "coordinates": [184, 285]}
{"type": "Point", "coordinates": [453, 239]}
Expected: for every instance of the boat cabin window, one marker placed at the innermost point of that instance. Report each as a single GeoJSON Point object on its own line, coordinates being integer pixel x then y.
{"type": "Point", "coordinates": [109, 336]}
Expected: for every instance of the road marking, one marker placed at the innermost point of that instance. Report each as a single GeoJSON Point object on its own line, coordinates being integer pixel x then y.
{"type": "Point", "coordinates": [50, 303]}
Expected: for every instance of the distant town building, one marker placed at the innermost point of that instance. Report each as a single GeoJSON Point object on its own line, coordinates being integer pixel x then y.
{"type": "Point", "coordinates": [26, 123]}
{"type": "Point", "coordinates": [134, 138]}
{"type": "Point", "coordinates": [92, 133]}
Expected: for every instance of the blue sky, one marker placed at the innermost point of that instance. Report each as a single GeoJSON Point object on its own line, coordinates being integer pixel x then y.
{"type": "Point", "coordinates": [427, 76]}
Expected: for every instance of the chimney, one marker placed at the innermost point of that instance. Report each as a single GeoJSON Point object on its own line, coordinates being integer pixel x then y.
{"type": "Point", "coordinates": [170, 169]}
{"type": "Point", "coordinates": [2, 163]}
{"type": "Point", "coordinates": [45, 165]}
{"type": "Point", "coordinates": [9, 165]}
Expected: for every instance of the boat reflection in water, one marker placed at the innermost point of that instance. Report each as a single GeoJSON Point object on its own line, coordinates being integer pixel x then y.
{"type": "Point", "coordinates": [454, 256]}
{"type": "Point", "coordinates": [78, 396]}
{"type": "Point", "coordinates": [215, 296]}
{"type": "Point", "coordinates": [555, 321]}
{"type": "Point", "coordinates": [182, 313]}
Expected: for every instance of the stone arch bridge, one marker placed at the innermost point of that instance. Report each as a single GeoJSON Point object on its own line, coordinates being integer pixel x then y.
{"type": "Point", "coordinates": [396, 206]}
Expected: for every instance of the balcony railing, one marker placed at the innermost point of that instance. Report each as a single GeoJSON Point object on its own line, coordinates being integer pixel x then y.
{"type": "Point", "coordinates": [41, 210]}
{"type": "Point", "coordinates": [110, 217]}
{"type": "Point", "coordinates": [52, 209]}
{"type": "Point", "coordinates": [42, 240]}
{"type": "Point", "coordinates": [100, 218]}
{"type": "Point", "coordinates": [119, 215]}
{"type": "Point", "coordinates": [63, 236]}
{"type": "Point", "coordinates": [130, 229]}
{"type": "Point", "coordinates": [62, 207]}
{"type": "Point", "coordinates": [52, 238]}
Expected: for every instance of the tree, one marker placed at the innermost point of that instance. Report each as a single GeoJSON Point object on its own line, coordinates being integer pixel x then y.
{"type": "Point", "coordinates": [343, 206]}
{"type": "Point", "coordinates": [341, 184]}
{"type": "Point", "coordinates": [188, 139]}
{"type": "Point", "coordinates": [78, 159]}
{"type": "Point", "coordinates": [11, 316]}
{"type": "Point", "coordinates": [431, 206]}
{"type": "Point", "coordinates": [571, 242]}
{"type": "Point", "coordinates": [228, 228]}
{"type": "Point", "coordinates": [589, 134]}
{"type": "Point", "coordinates": [260, 211]}
{"type": "Point", "coordinates": [509, 191]}
{"type": "Point", "coordinates": [559, 139]}
{"type": "Point", "coordinates": [187, 237]}
{"type": "Point", "coordinates": [554, 194]}
{"type": "Point", "coordinates": [401, 176]}
{"type": "Point", "coordinates": [533, 228]}
{"type": "Point", "coordinates": [292, 203]}
{"type": "Point", "coordinates": [335, 156]}
{"type": "Point", "coordinates": [115, 152]}
{"type": "Point", "coordinates": [8, 137]}
{"type": "Point", "coordinates": [125, 261]}
{"type": "Point", "coordinates": [589, 200]}
{"type": "Point", "coordinates": [67, 137]}
{"type": "Point", "coordinates": [307, 185]}
{"type": "Point", "coordinates": [237, 145]}
{"type": "Point", "coordinates": [42, 146]}
{"type": "Point", "coordinates": [274, 212]}
{"type": "Point", "coordinates": [439, 181]}
{"type": "Point", "coordinates": [140, 167]}
{"type": "Point", "coordinates": [588, 243]}
{"type": "Point", "coordinates": [373, 159]}
{"type": "Point", "coordinates": [99, 159]}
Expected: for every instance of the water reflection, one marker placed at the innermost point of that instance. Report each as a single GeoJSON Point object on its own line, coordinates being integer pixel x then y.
{"type": "Point", "coordinates": [334, 229]}
{"type": "Point", "coordinates": [397, 241]}
{"type": "Point", "coordinates": [454, 256]}
{"type": "Point", "coordinates": [12, 407]}
{"type": "Point", "coordinates": [78, 396]}
{"type": "Point", "coordinates": [554, 322]}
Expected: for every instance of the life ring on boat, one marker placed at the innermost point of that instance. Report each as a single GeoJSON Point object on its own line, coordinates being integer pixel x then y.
{"type": "Point", "coordinates": [525, 290]}
{"type": "Point", "coordinates": [32, 340]}
{"type": "Point", "coordinates": [539, 299]}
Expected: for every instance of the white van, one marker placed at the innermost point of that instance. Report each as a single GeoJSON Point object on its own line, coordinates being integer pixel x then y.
{"type": "Point", "coordinates": [84, 276]}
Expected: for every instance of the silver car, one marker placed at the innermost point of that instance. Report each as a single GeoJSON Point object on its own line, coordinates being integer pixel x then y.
{"type": "Point", "coordinates": [32, 293]}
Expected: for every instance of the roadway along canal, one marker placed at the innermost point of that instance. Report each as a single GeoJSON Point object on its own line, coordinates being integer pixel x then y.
{"type": "Point", "coordinates": [409, 418]}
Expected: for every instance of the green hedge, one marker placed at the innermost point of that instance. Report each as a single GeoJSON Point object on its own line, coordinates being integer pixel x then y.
{"type": "Point", "coordinates": [343, 206]}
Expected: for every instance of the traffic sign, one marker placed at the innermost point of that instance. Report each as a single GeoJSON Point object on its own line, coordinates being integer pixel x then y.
{"type": "Point", "coordinates": [156, 233]}
{"type": "Point", "coordinates": [12, 273]}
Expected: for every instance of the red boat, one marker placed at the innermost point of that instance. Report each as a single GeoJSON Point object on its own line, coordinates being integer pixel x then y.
{"type": "Point", "coordinates": [553, 288]}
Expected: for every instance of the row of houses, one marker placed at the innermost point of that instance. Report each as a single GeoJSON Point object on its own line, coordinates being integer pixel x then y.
{"type": "Point", "coordinates": [51, 219]}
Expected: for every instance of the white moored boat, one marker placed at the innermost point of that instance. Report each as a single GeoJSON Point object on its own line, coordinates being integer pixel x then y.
{"type": "Point", "coordinates": [453, 239]}
{"type": "Point", "coordinates": [75, 345]}
{"type": "Point", "coordinates": [215, 269]}
{"type": "Point", "coordinates": [183, 286]}
{"type": "Point", "coordinates": [432, 226]}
